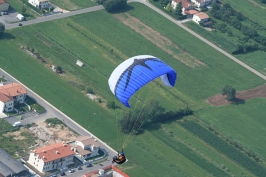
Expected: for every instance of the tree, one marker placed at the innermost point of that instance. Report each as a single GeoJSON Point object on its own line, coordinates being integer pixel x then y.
{"type": "Point", "coordinates": [23, 10]}
{"type": "Point", "coordinates": [89, 90]}
{"type": "Point", "coordinates": [230, 92]}
{"type": "Point", "coordinates": [114, 5]}
{"type": "Point", "coordinates": [58, 69]}
{"type": "Point", "coordinates": [111, 105]}
{"type": "Point", "coordinates": [2, 29]}
{"type": "Point", "coordinates": [178, 11]}
{"type": "Point", "coordinates": [168, 7]}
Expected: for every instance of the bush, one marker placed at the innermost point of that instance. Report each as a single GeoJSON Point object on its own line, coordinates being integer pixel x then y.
{"type": "Point", "coordinates": [89, 90]}
{"type": "Point", "coordinates": [111, 105]}
{"type": "Point", "coordinates": [114, 5]}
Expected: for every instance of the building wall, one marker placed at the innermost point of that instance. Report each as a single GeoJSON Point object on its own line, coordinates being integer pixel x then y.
{"type": "Point", "coordinates": [20, 98]}
{"type": "Point", "coordinates": [36, 161]}
{"type": "Point", "coordinates": [36, 3]}
{"type": "Point", "coordinates": [196, 19]}
{"type": "Point", "coordinates": [9, 106]}
{"type": "Point", "coordinates": [2, 106]}
{"type": "Point", "coordinates": [44, 4]}
{"type": "Point", "coordinates": [4, 7]}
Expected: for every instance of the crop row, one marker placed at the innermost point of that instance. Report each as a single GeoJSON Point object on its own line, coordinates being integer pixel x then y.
{"type": "Point", "coordinates": [224, 148]}
{"type": "Point", "coordinates": [192, 156]}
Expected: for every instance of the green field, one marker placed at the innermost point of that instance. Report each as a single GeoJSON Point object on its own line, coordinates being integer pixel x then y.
{"type": "Point", "coordinates": [248, 117]}
{"type": "Point", "coordinates": [162, 149]}
{"type": "Point", "coordinates": [73, 4]}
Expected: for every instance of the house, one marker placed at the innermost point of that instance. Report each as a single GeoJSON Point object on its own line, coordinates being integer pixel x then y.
{"type": "Point", "coordinates": [186, 5]}
{"type": "Point", "coordinates": [86, 147]}
{"type": "Point", "coordinates": [54, 156]}
{"type": "Point", "coordinates": [201, 3]}
{"type": "Point", "coordinates": [11, 167]}
{"type": "Point", "coordinates": [191, 13]}
{"type": "Point", "coordinates": [4, 5]}
{"type": "Point", "coordinates": [10, 95]}
{"type": "Point", "coordinates": [40, 4]}
{"type": "Point", "coordinates": [200, 17]}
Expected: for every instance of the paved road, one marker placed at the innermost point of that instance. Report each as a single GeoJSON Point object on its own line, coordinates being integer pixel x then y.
{"type": "Point", "coordinates": [54, 17]}
{"type": "Point", "coordinates": [54, 112]}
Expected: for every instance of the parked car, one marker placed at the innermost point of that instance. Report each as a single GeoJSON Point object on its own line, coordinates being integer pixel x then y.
{"type": "Point", "coordinates": [79, 168]}
{"type": "Point", "coordinates": [54, 175]}
{"type": "Point", "coordinates": [89, 165]}
{"type": "Point", "coordinates": [16, 124]}
{"type": "Point", "coordinates": [62, 173]}
{"type": "Point", "coordinates": [20, 24]}
{"type": "Point", "coordinates": [71, 170]}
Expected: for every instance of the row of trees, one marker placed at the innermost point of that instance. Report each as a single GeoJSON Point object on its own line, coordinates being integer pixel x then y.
{"type": "Point", "coordinates": [227, 14]}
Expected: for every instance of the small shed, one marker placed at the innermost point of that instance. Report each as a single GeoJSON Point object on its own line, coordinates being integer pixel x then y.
{"type": "Point", "coordinates": [20, 17]}
{"type": "Point", "coordinates": [79, 63]}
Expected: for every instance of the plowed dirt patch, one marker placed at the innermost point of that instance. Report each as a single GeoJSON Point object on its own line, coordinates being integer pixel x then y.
{"type": "Point", "coordinates": [257, 92]}
{"type": "Point", "coordinates": [159, 40]}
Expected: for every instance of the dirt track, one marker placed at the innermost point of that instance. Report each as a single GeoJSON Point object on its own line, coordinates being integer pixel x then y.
{"type": "Point", "coordinates": [257, 92]}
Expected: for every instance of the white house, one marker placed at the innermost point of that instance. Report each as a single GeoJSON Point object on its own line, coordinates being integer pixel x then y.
{"type": "Point", "coordinates": [40, 4]}
{"type": "Point", "coordinates": [4, 5]}
{"type": "Point", "coordinates": [10, 95]}
{"type": "Point", "coordinates": [201, 3]}
{"type": "Point", "coordinates": [86, 147]}
{"type": "Point", "coordinates": [51, 157]}
{"type": "Point", "coordinates": [200, 17]}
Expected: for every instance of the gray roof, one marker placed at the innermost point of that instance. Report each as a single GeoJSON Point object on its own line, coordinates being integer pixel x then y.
{"type": "Point", "coordinates": [9, 165]}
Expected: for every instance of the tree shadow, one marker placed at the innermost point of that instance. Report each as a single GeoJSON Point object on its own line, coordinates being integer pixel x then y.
{"type": "Point", "coordinates": [245, 52]}
{"type": "Point", "coordinates": [7, 36]}
{"type": "Point", "coordinates": [126, 9]}
{"type": "Point", "coordinates": [238, 101]}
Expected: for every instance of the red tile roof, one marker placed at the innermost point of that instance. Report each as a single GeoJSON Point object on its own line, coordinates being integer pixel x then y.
{"type": "Point", "coordinates": [202, 15]}
{"type": "Point", "coordinates": [186, 4]}
{"type": "Point", "coordinates": [191, 12]}
{"type": "Point", "coordinates": [54, 151]}
{"type": "Point", "coordinates": [10, 90]}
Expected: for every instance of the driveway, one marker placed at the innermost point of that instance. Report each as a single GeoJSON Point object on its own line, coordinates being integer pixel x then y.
{"type": "Point", "coordinates": [10, 18]}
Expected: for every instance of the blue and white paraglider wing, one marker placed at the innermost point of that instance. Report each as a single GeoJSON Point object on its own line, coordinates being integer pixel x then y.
{"type": "Point", "coordinates": [137, 71]}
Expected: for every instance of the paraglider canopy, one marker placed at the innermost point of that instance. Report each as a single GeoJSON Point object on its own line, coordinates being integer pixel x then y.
{"type": "Point", "coordinates": [137, 71]}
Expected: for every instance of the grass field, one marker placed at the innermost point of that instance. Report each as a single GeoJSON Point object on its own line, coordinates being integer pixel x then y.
{"type": "Point", "coordinates": [250, 9]}
{"type": "Point", "coordinates": [102, 46]}
{"type": "Point", "coordinates": [248, 117]}
{"type": "Point", "coordinates": [73, 4]}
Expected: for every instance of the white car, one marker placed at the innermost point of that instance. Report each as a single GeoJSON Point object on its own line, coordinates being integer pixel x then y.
{"type": "Point", "coordinates": [16, 124]}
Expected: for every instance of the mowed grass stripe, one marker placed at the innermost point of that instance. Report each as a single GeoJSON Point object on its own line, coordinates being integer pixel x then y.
{"type": "Point", "coordinates": [166, 160]}
{"type": "Point", "coordinates": [73, 4]}
{"type": "Point", "coordinates": [222, 146]}
{"type": "Point", "coordinates": [205, 150]}
{"type": "Point", "coordinates": [245, 123]}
